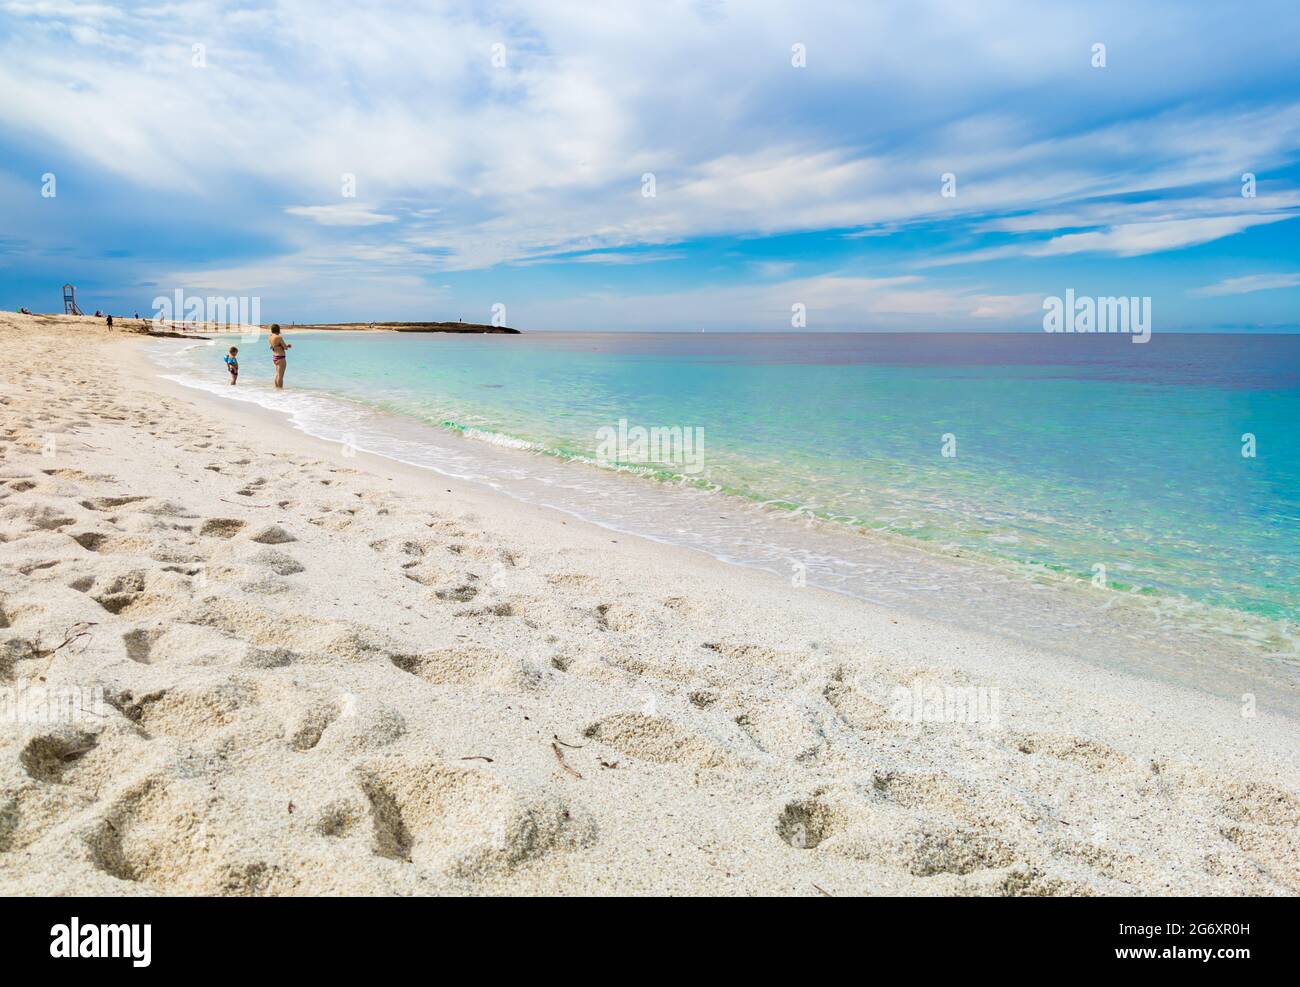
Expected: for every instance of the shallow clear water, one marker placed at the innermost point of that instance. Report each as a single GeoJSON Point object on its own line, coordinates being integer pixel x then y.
{"type": "Point", "coordinates": [1087, 459]}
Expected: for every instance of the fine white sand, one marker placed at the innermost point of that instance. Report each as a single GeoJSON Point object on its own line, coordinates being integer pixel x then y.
{"type": "Point", "coordinates": [324, 674]}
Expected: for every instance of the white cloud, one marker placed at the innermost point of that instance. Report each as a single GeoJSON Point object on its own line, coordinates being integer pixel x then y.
{"type": "Point", "coordinates": [1247, 284]}
{"type": "Point", "coordinates": [1112, 212]}
{"type": "Point", "coordinates": [343, 214]}
{"type": "Point", "coordinates": [61, 9]}
{"type": "Point", "coordinates": [613, 258]}
{"type": "Point", "coordinates": [832, 303]}
{"type": "Point", "coordinates": [302, 286]}
{"type": "Point", "coordinates": [546, 155]}
{"type": "Point", "coordinates": [1129, 229]}
{"type": "Point", "coordinates": [1131, 239]}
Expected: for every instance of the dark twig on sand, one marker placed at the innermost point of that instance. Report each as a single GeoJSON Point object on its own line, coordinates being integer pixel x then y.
{"type": "Point", "coordinates": [559, 756]}
{"type": "Point", "coordinates": [72, 635]}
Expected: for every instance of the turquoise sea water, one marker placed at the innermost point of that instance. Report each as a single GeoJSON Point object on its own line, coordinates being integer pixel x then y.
{"type": "Point", "coordinates": [1093, 458]}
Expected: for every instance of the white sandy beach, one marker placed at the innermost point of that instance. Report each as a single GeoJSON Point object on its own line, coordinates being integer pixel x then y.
{"type": "Point", "coordinates": [333, 674]}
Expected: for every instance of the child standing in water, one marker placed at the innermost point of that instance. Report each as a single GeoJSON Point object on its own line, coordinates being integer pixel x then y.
{"type": "Point", "coordinates": [232, 364]}
{"type": "Point", "coordinates": [278, 357]}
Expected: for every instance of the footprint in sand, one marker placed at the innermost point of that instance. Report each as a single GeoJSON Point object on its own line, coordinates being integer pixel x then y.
{"type": "Point", "coordinates": [783, 729]}
{"type": "Point", "coordinates": [108, 503]}
{"type": "Point", "coordinates": [470, 666]}
{"type": "Point", "coordinates": [657, 739]}
{"type": "Point", "coordinates": [852, 705]}
{"type": "Point", "coordinates": [1090, 754]}
{"type": "Point", "coordinates": [71, 474]}
{"type": "Point", "coordinates": [115, 594]}
{"type": "Point", "coordinates": [239, 712]}
{"type": "Point", "coordinates": [684, 670]}
{"type": "Point", "coordinates": [753, 656]}
{"type": "Point", "coordinates": [221, 527]}
{"type": "Point", "coordinates": [844, 823]}
{"type": "Point", "coordinates": [182, 713]}
{"type": "Point", "coordinates": [37, 517]}
{"type": "Point", "coordinates": [100, 543]}
{"type": "Point", "coordinates": [49, 756]}
{"type": "Point", "coordinates": [622, 618]}
{"type": "Point", "coordinates": [808, 822]}
{"type": "Point", "coordinates": [494, 610]}
{"type": "Point", "coordinates": [425, 575]}
{"type": "Point", "coordinates": [60, 774]}
{"type": "Point", "coordinates": [949, 797]}
{"type": "Point", "coordinates": [463, 822]}
{"type": "Point", "coordinates": [306, 715]}
{"type": "Point", "coordinates": [168, 835]}
{"type": "Point", "coordinates": [1264, 824]}
{"type": "Point", "coordinates": [462, 593]}
{"type": "Point", "coordinates": [172, 643]}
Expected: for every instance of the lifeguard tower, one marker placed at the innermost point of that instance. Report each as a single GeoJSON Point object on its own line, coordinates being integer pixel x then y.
{"type": "Point", "coordinates": [70, 301]}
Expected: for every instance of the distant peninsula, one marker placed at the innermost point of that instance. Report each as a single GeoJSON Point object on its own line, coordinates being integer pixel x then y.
{"type": "Point", "coordinates": [409, 327]}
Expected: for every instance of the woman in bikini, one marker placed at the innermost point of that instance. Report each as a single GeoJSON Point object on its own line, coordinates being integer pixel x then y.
{"type": "Point", "coordinates": [278, 346]}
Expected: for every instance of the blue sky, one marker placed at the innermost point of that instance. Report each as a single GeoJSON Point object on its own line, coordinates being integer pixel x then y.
{"type": "Point", "coordinates": [498, 153]}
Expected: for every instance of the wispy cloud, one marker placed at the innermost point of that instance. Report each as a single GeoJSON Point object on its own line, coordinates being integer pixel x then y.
{"type": "Point", "coordinates": [1172, 225]}
{"type": "Point", "coordinates": [344, 214]}
{"type": "Point", "coordinates": [831, 302]}
{"type": "Point", "coordinates": [1132, 239]}
{"type": "Point", "coordinates": [1248, 283]}
{"type": "Point", "coordinates": [611, 257]}
{"type": "Point", "coordinates": [61, 9]}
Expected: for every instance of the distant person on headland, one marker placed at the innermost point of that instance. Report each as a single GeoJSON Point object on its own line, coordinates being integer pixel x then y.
{"type": "Point", "coordinates": [110, 321]}
{"type": "Point", "coordinates": [278, 357]}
